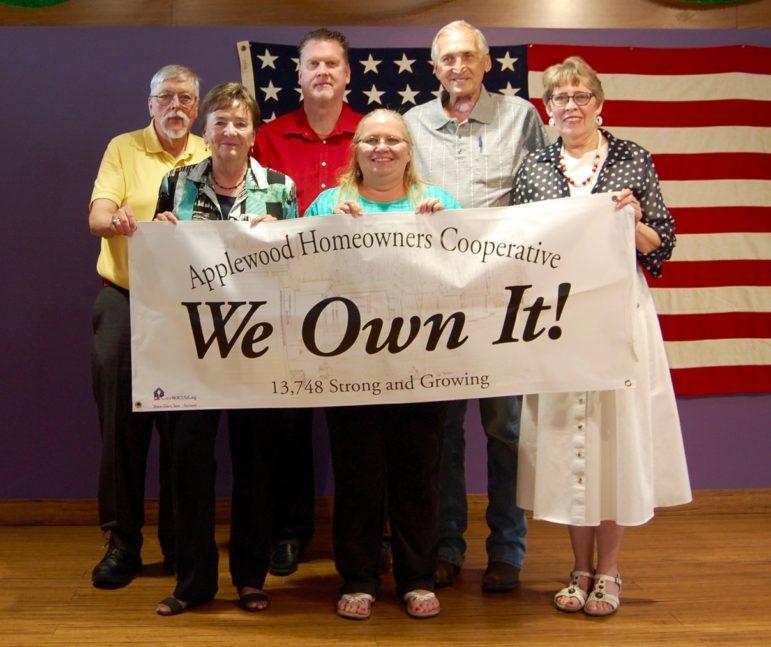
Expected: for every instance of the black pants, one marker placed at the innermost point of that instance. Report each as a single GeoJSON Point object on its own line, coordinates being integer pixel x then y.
{"type": "Point", "coordinates": [292, 476]}
{"type": "Point", "coordinates": [379, 450]}
{"type": "Point", "coordinates": [192, 437]}
{"type": "Point", "coordinates": [256, 449]}
{"type": "Point", "coordinates": [125, 435]}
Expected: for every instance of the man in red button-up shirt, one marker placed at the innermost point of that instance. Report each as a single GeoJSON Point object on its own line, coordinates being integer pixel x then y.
{"type": "Point", "coordinates": [310, 145]}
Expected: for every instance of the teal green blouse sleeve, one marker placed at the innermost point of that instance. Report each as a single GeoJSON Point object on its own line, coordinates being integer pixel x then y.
{"type": "Point", "coordinates": [445, 197]}
{"type": "Point", "coordinates": [324, 204]}
{"type": "Point", "coordinates": [313, 209]}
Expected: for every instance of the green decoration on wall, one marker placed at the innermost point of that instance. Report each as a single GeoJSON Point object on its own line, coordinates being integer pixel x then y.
{"type": "Point", "coordinates": [31, 4]}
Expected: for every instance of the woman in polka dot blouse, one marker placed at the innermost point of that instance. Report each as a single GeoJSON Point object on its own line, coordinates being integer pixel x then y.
{"type": "Point", "coordinates": [603, 460]}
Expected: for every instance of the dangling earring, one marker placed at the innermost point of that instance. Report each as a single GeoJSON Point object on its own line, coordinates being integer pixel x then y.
{"type": "Point", "coordinates": [551, 121]}
{"type": "Point", "coordinates": [598, 119]}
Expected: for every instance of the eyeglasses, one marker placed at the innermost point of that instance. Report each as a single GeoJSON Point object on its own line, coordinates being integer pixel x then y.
{"type": "Point", "coordinates": [579, 98]}
{"type": "Point", "coordinates": [390, 141]}
{"type": "Point", "coordinates": [165, 98]}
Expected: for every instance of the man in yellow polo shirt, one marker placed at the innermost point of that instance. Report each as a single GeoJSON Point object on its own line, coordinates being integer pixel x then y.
{"type": "Point", "coordinates": [125, 192]}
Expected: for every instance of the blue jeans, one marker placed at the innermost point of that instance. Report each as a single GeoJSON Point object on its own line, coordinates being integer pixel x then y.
{"type": "Point", "coordinates": [507, 523]}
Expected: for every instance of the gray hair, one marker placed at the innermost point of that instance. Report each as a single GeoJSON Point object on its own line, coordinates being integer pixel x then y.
{"type": "Point", "coordinates": [479, 37]}
{"type": "Point", "coordinates": [168, 72]}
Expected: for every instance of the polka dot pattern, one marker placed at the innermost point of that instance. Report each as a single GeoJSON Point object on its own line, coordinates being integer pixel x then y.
{"type": "Point", "coordinates": [627, 166]}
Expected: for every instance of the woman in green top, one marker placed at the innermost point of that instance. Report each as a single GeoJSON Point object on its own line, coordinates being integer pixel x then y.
{"type": "Point", "coordinates": [389, 450]}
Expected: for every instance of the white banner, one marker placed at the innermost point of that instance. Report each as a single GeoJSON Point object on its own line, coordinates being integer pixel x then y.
{"type": "Point", "coordinates": [382, 309]}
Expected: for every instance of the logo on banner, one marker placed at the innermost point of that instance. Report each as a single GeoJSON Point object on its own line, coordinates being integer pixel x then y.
{"type": "Point", "coordinates": [182, 400]}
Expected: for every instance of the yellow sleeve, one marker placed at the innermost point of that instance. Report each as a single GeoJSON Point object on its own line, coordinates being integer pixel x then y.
{"type": "Point", "coordinates": [110, 182]}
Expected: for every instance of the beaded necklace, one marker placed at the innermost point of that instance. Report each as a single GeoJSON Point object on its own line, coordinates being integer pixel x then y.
{"type": "Point", "coordinates": [595, 164]}
{"type": "Point", "coordinates": [230, 188]}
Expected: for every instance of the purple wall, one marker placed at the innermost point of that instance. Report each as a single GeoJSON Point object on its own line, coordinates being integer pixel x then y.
{"type": "Point", "coordinates": [66, 92]}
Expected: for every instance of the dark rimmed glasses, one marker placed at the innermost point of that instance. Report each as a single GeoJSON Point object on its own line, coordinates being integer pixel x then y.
{"type": "Point", "coordinates": [579, 98]}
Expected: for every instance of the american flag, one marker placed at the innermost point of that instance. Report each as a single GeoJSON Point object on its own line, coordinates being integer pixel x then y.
{"type": "Point", "coordinates": [705, 115]}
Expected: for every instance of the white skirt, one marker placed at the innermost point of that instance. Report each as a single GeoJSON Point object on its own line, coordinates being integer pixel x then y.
{"type": "Point", "coordinates": [606, 455]}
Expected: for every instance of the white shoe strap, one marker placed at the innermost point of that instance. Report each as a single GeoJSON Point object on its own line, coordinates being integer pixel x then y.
{"type": "Point", "coordinates": [357, 597]}
{"type": "Point", "coordinates": [419, 597]}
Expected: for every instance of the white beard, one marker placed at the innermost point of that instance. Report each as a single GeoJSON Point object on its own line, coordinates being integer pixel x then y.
{"type": "Point", "coordinates": [173, 133]}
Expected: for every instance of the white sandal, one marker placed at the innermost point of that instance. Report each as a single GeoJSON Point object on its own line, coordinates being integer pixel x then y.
{"type": "Point", "coordinates": [415, 598]}
{"type": "Point", "coordinates": [357, 598]}
{"type": "Point", "coordinates": [599, 594]}
{"type": "Point", "coordinates": [573, 592]}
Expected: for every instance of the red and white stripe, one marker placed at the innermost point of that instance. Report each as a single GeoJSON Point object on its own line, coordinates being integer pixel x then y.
{"type": "Point", "coordinates": [705, 115]}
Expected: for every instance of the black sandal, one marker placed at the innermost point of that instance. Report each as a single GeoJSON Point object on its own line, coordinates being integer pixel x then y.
{"type": "Point", "coordinates": [175, 607]}
{"type": "Point", "coordinates": [247, 598]}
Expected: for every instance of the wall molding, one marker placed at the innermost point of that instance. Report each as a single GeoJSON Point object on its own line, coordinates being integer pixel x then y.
{"type": "Point", "coordinates": [83, 512]}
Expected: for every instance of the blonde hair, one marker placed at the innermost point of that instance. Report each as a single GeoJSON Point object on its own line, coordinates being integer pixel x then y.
{"type": "Point", "coordinates": [351, 176]}
{"type": "Point", "coordinates": [572, 71]}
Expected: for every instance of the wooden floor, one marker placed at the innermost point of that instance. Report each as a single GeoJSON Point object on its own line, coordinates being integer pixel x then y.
{"type": "Point", "coordinates": [700, 575]}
